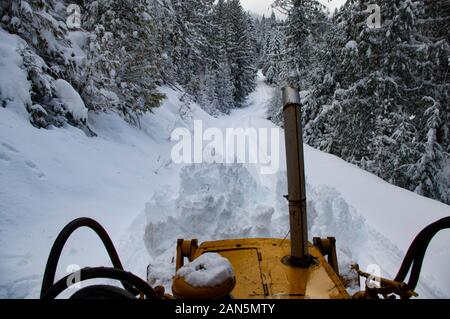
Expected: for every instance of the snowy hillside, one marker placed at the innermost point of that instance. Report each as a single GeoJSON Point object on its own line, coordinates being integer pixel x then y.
{"type": "Point", "coordinates": [125, 179]}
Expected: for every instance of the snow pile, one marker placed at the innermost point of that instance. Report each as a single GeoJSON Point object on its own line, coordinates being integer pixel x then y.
{"type": "Point", "coordinates": [328, 213]}
{"type": "Point", "coordinates": [208, 271]}
{"type": "Point", "coordinates": [226, 202]}
{"type": "Point", "coordinates": [71, 100]}
{"type": "Point", "coordinates": [14, 86]}
{"type": "Point", "coordinates": [214, 202]}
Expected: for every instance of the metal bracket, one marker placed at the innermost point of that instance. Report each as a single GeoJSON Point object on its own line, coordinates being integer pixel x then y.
{"type": "Point", "coordinates": [185, 249]}
{"type": "Point", "coordinates": [386, 289]}
{"type": "Point", "coordinates": [327, 247]}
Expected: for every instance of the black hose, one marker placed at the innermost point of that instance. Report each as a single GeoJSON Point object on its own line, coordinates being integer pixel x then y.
{"type": "Point", "coordinates": [416, 252]}
{"type": "Point", "coordinates": [105, 273]}
{"type": "Point", "coordinates": [55, 253]}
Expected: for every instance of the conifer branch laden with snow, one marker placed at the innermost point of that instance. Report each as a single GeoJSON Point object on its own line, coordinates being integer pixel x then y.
{"type": "Point", "coordinates": [376, 97]}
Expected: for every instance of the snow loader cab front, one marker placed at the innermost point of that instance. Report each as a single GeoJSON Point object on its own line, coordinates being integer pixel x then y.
{"type": "Point", "coordinates": [259, 268]}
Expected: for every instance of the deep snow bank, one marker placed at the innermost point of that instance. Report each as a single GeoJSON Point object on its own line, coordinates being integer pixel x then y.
{"type": "Point", "coordinates": [49, 177]}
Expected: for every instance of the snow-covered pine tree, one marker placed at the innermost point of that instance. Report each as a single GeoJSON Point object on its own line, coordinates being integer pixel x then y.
{"type": "Point", "coordinates": [300, 47]}
{"type": "Point", "coordinates": [273, 52]}
{"type": "Point", "coordinates": [221, 66]}
{"type": "Point", "coordinates": [319, 110]}
{"type": "Point", "coordinates": [387, 72]}
{"type": "Point", "coordinates": [360, 98]}
{"type": "Point", "coordinates": [224, 88]}
{"type": "Point", "coordinates": [231, 45]}
{"type": "Point", "coordinates": [50, 54]}
{"type": "Point", "coordinates": [304, 23]}
{"type": "Point", "coordinates": [373, 92]}
{"type": "Point", "coordinates": [129, 56]}
{"type": "Point", "coordinates": [433, 70]}
{"type": "Point", "coordinates": [190, 42]}
{"type": "Point", "coordinates": [264, 28]}
{"type": "Point", "coordinates": [164, 18]}
{"type": "Point", "coordinates": [260, 37]}
{"type": "Point", "coordinates": [415, 63]}
{"type": "Point", "coordinates": [431, 171]}
{"type": "Point", "coordinates": [241, 49]}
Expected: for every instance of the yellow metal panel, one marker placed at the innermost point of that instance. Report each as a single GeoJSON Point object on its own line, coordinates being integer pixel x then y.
{"type": "Point", "coordinates": [246, 266]}
{"type": "Point", "coordinates": [260, 272]}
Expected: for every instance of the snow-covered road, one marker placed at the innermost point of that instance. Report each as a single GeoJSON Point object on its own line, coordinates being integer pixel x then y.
{"type": "Point", "coordinates": [126, 180]}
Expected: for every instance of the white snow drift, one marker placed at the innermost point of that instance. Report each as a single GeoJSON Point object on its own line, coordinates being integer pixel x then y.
{"type": "Point", "coordinates": [208, 271]}
{"type": "Point", "coordinates": [71, 100]}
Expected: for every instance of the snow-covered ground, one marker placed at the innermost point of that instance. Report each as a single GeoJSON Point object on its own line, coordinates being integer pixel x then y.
{"type": "Point", "coordinates": [125, 179]}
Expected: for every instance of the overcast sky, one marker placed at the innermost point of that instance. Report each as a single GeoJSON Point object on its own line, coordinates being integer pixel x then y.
{"type": "Point", "coordinates": [263, 6]}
